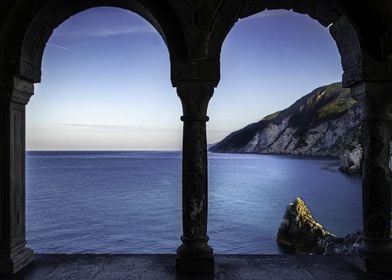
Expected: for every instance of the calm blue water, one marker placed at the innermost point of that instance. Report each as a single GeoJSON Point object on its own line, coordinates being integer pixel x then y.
{"type": "Point", "coordinates": [130, 202]}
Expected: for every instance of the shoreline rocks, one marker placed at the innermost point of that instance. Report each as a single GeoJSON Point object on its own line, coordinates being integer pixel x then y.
{"type": "Point", "coordinates": [300, 233]}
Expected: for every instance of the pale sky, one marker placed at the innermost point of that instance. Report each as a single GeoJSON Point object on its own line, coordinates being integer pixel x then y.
{"type": "Point", "coordinates": [106, 80]}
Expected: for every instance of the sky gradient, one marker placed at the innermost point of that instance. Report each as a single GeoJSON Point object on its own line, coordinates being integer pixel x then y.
{"type": "Point", "coordinates": [106, 80]}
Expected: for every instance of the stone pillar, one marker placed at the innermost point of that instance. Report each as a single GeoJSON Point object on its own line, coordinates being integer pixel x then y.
{"type": "Point", "coordinates": [14, 95]}
{"type": "Point", "coordinates": [194, 255]}
{"type": "Point", "coordinates": [376, 250]}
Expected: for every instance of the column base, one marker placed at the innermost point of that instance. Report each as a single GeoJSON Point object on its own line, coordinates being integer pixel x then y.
{"type": "Point", "coordinates": [198, 258]}
{"type": "Point", "coordinates": [15, 260]}
{"type": "Point", "coordinates": [375, 257]}
{"type": "Point", "coordinates": [195, 265]}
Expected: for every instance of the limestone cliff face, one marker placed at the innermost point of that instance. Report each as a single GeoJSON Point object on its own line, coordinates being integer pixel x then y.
{"type": "Point", "coordinates": [325, 122]}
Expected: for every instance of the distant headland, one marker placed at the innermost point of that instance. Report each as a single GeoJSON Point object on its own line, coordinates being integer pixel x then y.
{"type": "Point", "coordinates": [325, 122]}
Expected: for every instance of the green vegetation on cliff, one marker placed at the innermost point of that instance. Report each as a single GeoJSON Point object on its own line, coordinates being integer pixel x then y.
{"type": "Point", "coordinates": [341, 102]}
{"type": "Point", "coordinates": [325, 122]}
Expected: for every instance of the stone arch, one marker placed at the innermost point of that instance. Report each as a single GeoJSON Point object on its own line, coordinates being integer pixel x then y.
{"type": "Point", "coordinates": [31, 26]}
{"type": "Point", "coordinates": [363, 35]}
{"type": "Point", "coordinates": [325, 12]}
{"type": "Point", "coordinates": [329, 13]}
{"type": "Point", "coordinates": [367, 24]}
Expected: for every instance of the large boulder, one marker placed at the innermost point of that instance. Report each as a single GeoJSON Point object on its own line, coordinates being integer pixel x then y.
{"type": "Point", "coordinates": [300, 233]}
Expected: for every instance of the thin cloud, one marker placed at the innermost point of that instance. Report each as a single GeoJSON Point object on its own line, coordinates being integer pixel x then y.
{"type": "Point", "coordinates": [74, 51]}
{"type": "Point", "coordinates": [105, 32]}
{"type": "Point", "coordinates": [109, 128]}
{"type": "Point", "coordinates": [123, 128]}
{"type": "Point", "coordinates": [126, 31]}
{"type": "Point", "coordinates": [63, 48]}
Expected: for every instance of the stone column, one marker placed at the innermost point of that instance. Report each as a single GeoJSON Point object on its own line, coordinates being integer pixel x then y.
{"type": "Point", "coordinates": [376, 101]}
{"type": "Point", "coordinates": [14, 95]}
{"type": "Point", "coordinates": [194, 255]}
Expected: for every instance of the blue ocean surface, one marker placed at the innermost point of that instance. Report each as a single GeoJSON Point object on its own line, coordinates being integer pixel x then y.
{"type": "Point", "coordinates": [130, 202]}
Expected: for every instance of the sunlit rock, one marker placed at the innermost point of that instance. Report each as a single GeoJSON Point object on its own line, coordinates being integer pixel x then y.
{"type": "Point", "coordinates": [300, 233]}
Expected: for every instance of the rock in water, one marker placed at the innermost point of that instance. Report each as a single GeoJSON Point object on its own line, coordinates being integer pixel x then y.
{"type": "Point", "coordinates": [300, 233]}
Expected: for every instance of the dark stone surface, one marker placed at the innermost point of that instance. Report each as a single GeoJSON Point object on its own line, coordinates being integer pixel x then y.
{"type": "Point", "coordinates": [376, 249]}
{"type": "Point", "coordinates": [14, 94]}
{"type": "Point", "coordinates": [194, 31]}
{"type": "Point", "coordinates": [195, 265]}
{"type": "Point", "coordinates": [97, 267]}
{"type": "Point", "coordinates": [194, 254]}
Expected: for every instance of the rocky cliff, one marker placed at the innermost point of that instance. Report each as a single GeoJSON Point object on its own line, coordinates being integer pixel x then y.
{"type": "Point", "coordinates": [326, 122]}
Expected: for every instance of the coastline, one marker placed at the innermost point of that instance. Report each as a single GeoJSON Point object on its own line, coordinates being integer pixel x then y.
{"type": "Point", "coordinates": [286, 155]}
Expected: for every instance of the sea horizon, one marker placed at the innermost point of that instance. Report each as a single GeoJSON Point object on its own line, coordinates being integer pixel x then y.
{"type": "Point", "coordinates": [327, 157]}
{"type": "Point", "coordinates": [132, 200]}
{"type": "Point", "coordinates": [103, 150]}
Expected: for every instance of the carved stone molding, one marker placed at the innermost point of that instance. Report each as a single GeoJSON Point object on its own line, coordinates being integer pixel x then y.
{"type": "Point", "coordinates": [375, 98]}
{"type": "Point", "coordinates": [183, 72]}
{"type": "Point", "coordinates": [195, 96]}
{"type": "Point", "coordinates": [15, 89]}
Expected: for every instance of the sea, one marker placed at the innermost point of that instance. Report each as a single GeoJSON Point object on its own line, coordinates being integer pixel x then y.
{"type": "Point", "coordinates": [130, 202]}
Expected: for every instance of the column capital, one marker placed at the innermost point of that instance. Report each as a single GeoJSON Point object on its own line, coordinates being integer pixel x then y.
{"type": "Point", "coordinates": [195, 96]}
{"type": "Point", "coordinates": [15, 89]}
{"type": "Point", "coordinates": [372, 87]}
{"type": "Point", "coordinates": [367, 70]}
{"type": "Point", "coordinates": [195, 71]}
{"type": "Point", "coordinates": [375, 99]}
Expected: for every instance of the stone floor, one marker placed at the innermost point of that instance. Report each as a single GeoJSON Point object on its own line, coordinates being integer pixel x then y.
{"type": "Point", "coordinates": [162, 267]}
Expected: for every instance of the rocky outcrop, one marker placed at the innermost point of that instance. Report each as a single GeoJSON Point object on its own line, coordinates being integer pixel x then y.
{"type": "Point", "coordinates": [325, 122]}
{"type": "Point", "coordinates": [341, 246]}
{"type": "Point", "coordinates": [300, 233]}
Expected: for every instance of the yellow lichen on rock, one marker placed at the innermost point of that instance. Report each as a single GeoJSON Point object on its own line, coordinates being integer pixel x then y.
{"type": "Point", "coordinates": [299, 231]}
{"type": "Point", "coordinates": [306, 218]}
